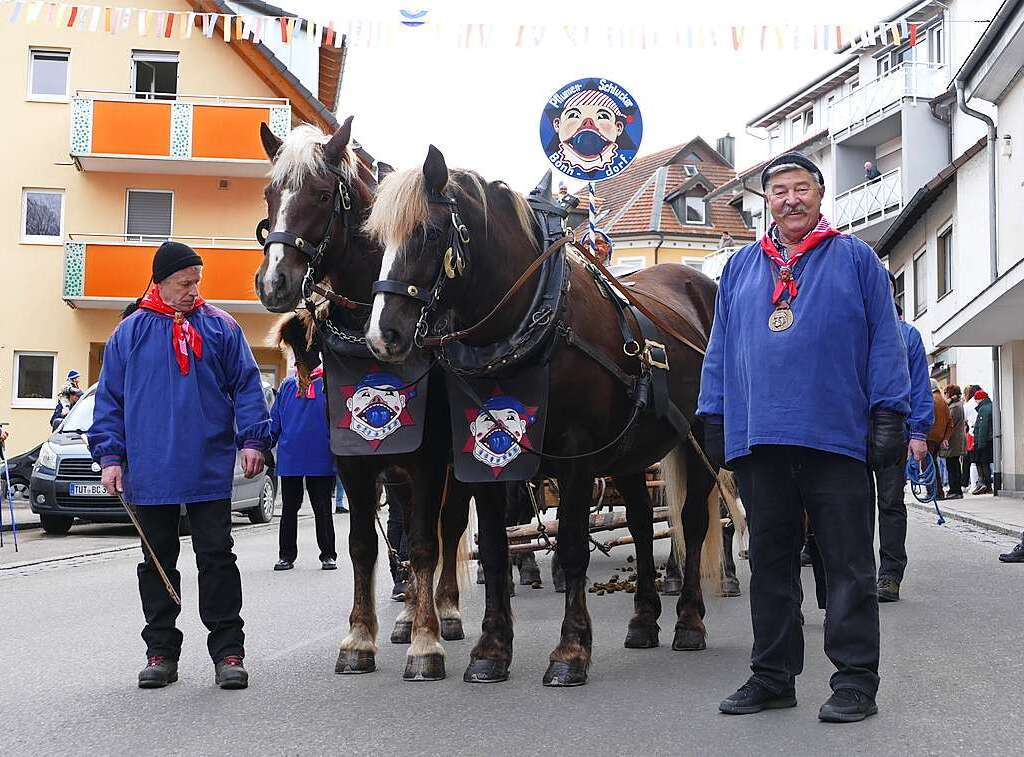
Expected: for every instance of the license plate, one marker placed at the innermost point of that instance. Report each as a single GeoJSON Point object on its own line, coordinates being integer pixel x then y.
{"type": "Point", "coordinates": [87, 490]}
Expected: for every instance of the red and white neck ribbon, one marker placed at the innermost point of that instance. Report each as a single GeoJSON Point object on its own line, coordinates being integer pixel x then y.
{"type": "Point", "coordinates": [184, 336]}
{"type": "Point", "coordinates": [310, 392]}
{"type": "Point", "coordinates": [786, 281]}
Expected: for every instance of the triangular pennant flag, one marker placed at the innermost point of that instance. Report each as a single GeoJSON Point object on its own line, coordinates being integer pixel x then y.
{"type": "Point", "coordinates": [189, 25]}
{"type": "Point", "coordinates": [913, 35]}
{"type": "Point", "coordinates": [108, 21]}
{"type": "Point", "coordinates": [72, 16]}
{"type": "Point", "coordinates": [737, 37]}
{"type": "Point", "coordinates": [329, 39]}
{"type": "Point", "coordinates": [33, 12]}
{"type": "Point", "coordinates": [894, 33]}
{"type": "Point", "coordinates": [15, 13]}
{"type": "Point", "coordinates": [291, 29]}
{"type": "Point", "coordinates": [169, 25]}
{"type": "Point", "coordinates": [94, 21]}
{"type": "Point", "coordinates": [226, 27]}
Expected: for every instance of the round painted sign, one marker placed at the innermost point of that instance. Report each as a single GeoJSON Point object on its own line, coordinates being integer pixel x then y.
{"type": "Point", "coordinates": [591, 129]}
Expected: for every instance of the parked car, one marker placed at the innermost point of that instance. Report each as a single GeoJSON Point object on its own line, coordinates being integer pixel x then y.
{"type": "Point", "coordinates": [19, 468]}
{"type": "Point", "coordinates": [65, 482]}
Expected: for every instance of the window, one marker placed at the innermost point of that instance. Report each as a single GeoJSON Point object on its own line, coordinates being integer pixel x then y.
{"type": "Point", "coordinates": [690, 170]}
{"type": "Point", "coordinates": [48, 75]}
{"type": "Point", "coordinates": [697, 265]}
{"type": "Point", "coordinates": [920, 285]}
{"type": "Point", "coordinates": [695, 209]}
{"type": "Point", "coordinates": [42, 216]}
{"type": "Point", "coordinates": [945, 261]}
{"type": "Point", "coordinates": [900, 291]}
{"type": "Point", "coordinates": [935, 52]}
{"type": "Point", "coordinates": [630, 264]}
{"type": "Point", "coordinates": [35, 379]}
{"type": "Point", "coordinates": [149, 215]}
{"type": "Point", "coordinates": [883, 65]}
{"type": "Point", "coordinates": [154, 74]}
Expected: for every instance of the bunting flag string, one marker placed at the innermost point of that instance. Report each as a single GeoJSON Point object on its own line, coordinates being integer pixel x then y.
{"type": "Point", "coordinates": [425, 27]}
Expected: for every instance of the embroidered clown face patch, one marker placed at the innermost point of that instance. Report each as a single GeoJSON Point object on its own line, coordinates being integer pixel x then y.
{"type": "Point", "coordinates": [375, 408]}
{"type": "Point", "coordinates": [498, 431]}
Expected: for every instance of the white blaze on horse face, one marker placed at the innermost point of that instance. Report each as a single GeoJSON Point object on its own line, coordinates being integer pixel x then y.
{"type": "Point", "coordinates": [275, 254]}
{"type": "Point", "coordinates": [374, 336]}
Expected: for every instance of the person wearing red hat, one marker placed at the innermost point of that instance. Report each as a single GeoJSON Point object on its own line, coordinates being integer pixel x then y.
{"type": "Point", "coordinates": [181, 450]}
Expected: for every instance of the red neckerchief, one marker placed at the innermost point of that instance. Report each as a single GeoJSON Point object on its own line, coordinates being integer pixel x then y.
{"type": "Point", "coordinates": [311, 389]}
{"type": "Point", "coordinates": [786, 281]}
{"type": "Point", "coordinates": [183, 335]}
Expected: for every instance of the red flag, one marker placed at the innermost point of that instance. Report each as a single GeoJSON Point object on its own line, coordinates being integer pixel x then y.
{"type": "Point", "coordinates": [913, 34]}
{"type": "Point", "coordinates": [330, 34]}
{"type": "Point", "coordinates": [73, 16]}
{"type": "Point", "coordinates": [169, 25]}
{"type": "Point", "coordinates": [284, 29]}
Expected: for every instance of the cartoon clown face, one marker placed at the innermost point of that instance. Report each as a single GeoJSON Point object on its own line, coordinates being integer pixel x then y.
{"type": "Point", "coordinates": [498, 431]}
{"type": "Point", "coordinates": [376, 407]}
{"type": "Point", "coordinates": [588, 127]}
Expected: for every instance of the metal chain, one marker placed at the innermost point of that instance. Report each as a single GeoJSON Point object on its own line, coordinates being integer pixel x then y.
{"type": "Point", "coordinates": [542, 529]}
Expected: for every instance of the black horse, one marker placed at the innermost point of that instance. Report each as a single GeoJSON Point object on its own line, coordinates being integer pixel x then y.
{"type": "Point", "coordinates": [319, 195]}
{"type": "Point", "coordinates": [415, 217]}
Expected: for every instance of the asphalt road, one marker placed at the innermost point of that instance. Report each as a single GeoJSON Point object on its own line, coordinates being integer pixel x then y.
{"type": "Point", "coordinates": [951, 669]}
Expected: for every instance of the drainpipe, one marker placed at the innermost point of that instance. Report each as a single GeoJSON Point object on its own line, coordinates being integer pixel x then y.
{"type": "Point", "coordinates": [661, 241]}
{"type": "Point", "coordinates": [997, 445]}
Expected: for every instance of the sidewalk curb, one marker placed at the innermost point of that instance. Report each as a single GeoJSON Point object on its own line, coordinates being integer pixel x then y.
{"type": "Point", "coordinates": [988, 525]}
{"type": "Point", "coordinates": [21, 526]}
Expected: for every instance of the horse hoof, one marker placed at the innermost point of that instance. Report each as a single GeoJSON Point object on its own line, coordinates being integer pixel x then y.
{"type": "Point", "coordinates": [672, 587]}
{"type": "Point", "coordinates": [428, 667]}
{"type": "Point", "coordinates": [486, 671]}
{"type": "Point", "coordinates": [402, 632]}
{"type": "Point", "coordinates": [688, 640]}
{"type": "Point", "coordinates": [641, 637]}
{"type": "Point", "coordinates": [565, 674]}
{"type": "Point", "coordinates": [355, 661]}
{"type": "Point", "coordinates": [451, 629]}
{"type": "Point", "coordinates": [731, 587]}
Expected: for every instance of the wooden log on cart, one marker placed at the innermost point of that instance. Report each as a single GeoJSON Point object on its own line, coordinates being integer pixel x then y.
{"type": "Point", "coordinates": [598, 522]}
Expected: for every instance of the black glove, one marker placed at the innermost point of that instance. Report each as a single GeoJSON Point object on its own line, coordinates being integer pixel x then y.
{"type": "Point", "coordinates": [714, 441]}
{"type": "Point", "coordinates": [887, 439]}
{"type": "Point", "coordinates": [268, 459]}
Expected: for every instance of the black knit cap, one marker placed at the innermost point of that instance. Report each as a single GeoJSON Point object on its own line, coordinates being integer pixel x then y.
{"type": "Point", "coordinates": [793, 160]}
{"type": "Point", "coordinates": [172, 257]}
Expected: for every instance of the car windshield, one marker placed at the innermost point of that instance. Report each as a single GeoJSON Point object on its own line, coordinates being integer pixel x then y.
{"type": "Point", "coordinates": [79, 418]}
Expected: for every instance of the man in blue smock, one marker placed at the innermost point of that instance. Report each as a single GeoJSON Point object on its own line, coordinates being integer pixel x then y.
{"type": "Point", "coordinates": [891, 480]}
{"type": "Point", "coordinates": [303, 440]}
{"type": "Point", "coordinates": [179, 394]}
{"type": "Point", "coordinates": [805, 382]}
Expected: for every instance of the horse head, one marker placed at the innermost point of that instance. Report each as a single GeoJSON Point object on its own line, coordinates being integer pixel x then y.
{"type": "Point", "coordinates": [317, 198]}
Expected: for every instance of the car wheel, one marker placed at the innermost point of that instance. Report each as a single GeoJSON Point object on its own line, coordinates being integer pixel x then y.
{"type": "Point", "coordinates": [19, 488]}
{"type": "Point", "coordinates": [264, 512]}
{"type": "Point", "coordinates": [57, 525]}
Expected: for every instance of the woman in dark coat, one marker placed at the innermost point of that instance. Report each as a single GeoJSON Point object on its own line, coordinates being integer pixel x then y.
{"type": "Point", "coordinates": [956, 449]}
{"type": "Point", "coordinates": [983, 443]}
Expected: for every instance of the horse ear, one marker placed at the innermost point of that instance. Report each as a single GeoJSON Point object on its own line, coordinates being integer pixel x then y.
{"type": "Point", "coordinates": [435, 170]}
{"type": "Point", "coordinates": [383, 169]}
{"type": "Point", "coordinates": [335, 147]}
{"type": "Point", "coordinates": [271, 143]}
{"type": "Point", "coordinates": [543, 188]}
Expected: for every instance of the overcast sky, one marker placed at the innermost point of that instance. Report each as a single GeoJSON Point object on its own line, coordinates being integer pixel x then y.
{"type": "Point", "coordinates": [482, 107]}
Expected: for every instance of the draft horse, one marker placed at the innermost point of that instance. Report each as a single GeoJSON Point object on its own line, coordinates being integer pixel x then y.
{"type": "Point", "coordinates": [593, 427]}
{"type": "Point", "coordinates": [319, 195]}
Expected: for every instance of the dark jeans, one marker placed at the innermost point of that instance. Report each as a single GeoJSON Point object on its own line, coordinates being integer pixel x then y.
{"type": "Point", "coordinates": [956, 474]}
{"type": "Point", "coordinates": [777, 484]}
{"type": "Point", "coordinates": [892, 520]}
{"type": "Point", "coordinates": [984, 463]}
{"type": "Point", "coordinates": [817, 570]}
{"type": "Point", "coordinates": [320, 489]}
{"type": "Point", "coordinates": [395, 495]}
{"type": "Point", "coordinates": [220, 586]}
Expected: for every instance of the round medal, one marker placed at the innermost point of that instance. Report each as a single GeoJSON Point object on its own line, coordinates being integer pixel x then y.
{"type": "Point", "coordinates": [781, 319]}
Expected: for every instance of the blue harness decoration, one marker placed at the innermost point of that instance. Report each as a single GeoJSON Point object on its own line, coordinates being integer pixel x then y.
{"type": "Point", "coordinates": [924, 483]}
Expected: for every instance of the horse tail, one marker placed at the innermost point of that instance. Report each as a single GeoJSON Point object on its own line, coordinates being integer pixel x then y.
{"type": "Point", "coordinates": [673, 473]}
{"type": "Point", "coordinates": [731, 497]}
{"type": "Point", "coordinates": [465, 551]}
{"type": "Point", "coordinates": [711, 552]}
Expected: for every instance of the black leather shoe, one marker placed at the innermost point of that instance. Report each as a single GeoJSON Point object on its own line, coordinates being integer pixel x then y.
{"type": "Point", "coordinates": [159, 672]}
{"type": "Point", "coordinates": [888, 589]}
{"type": "Point", "coordinates": [753, 697]}
{"type": "Point", "coordinates": [231, 674]}
{"type": "Point", "coordinates": [283, 565]}
{"type": "Point", "coordinates": [1014, 555]}
{"type": "Point", "coordinates": [329, 564]}
{"type": "Point", "coordinates": [847, 706]}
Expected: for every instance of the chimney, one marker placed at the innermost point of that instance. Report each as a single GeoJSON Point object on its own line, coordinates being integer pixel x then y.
{"type": "Point", "coordinates": [726, 147]}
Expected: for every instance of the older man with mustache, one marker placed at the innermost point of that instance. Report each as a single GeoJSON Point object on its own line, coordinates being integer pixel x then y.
{"type": "Point", "coordinates": [805, 383]}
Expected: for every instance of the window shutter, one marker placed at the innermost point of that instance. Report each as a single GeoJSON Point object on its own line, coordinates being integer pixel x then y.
{"type": "Point", "coordinates": [149, 214]}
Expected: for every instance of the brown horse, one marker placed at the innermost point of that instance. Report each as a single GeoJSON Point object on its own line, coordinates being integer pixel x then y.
{"type": "Point", "coordinates": [318, 197]}
{"type": "Point", "coordinates": [588, 405]}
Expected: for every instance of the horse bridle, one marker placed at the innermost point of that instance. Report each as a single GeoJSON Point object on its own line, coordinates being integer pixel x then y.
{"type": "Point", "coordinates": [452, 264]}
{"type": "Point", "coordinates": [341, 205]}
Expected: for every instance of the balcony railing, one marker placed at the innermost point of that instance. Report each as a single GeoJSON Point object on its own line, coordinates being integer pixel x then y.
{"type": "Point", "coordinates": [192, 134]}
{"type": "Point", "coordinates": [869, 202]}
{"type": "Point", "coordinates": [877, 98]}
{"type": "Point", "coordinates": [107, 270]}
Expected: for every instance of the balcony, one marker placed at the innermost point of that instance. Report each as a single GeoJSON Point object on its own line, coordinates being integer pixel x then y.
{"type": "Point", "coordinates": [107, 271]}
{"type": "Point", "coordinates": [197, 135]}
{"type": "Point", "coordinates": [881, 97]}
{"type": "Point", "coordinates": [868, 203]}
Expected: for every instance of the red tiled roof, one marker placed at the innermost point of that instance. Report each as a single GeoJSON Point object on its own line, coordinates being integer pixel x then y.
{"type": "Point", "coordinates": [746, 173]}
{"type": "Point", "coordinates": [628, 199]}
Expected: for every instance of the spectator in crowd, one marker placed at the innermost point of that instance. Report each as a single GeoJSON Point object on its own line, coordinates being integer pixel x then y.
{"type": "Point", "coordinates": [299, 428]}
{"type": "Point", "coordinates": [957, 447]}
{"type": "Point", "coordinates": [983, 442]}
{"type": "Point", "coordinates": [940, 433]}
{"type": "Point", "coordinates": [970, 416]}
{"type": "Point", "coordinates": [394, 492]}
{"type": "Point", "coordinates": [870, 172]}
{"type": "Point", "coordinates": [339, 497]}
{"type": "Point", "coordinates": [60, 412]}
{"type": "Point", "coordinates": [726, 241]}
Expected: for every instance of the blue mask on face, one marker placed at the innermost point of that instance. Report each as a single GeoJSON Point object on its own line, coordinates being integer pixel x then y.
{"type": "Point", "coordinates": [588, 143]}
{"type": "Point", "coordinates": [499, 441]}
{"type": "Point", "coordinates": [378, 416]}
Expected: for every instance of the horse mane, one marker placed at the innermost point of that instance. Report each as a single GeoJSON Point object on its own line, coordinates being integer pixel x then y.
{"type": "Point", "coordinates": [301, 157]}
{"type": "Point", "coordinates": [401, 204]}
